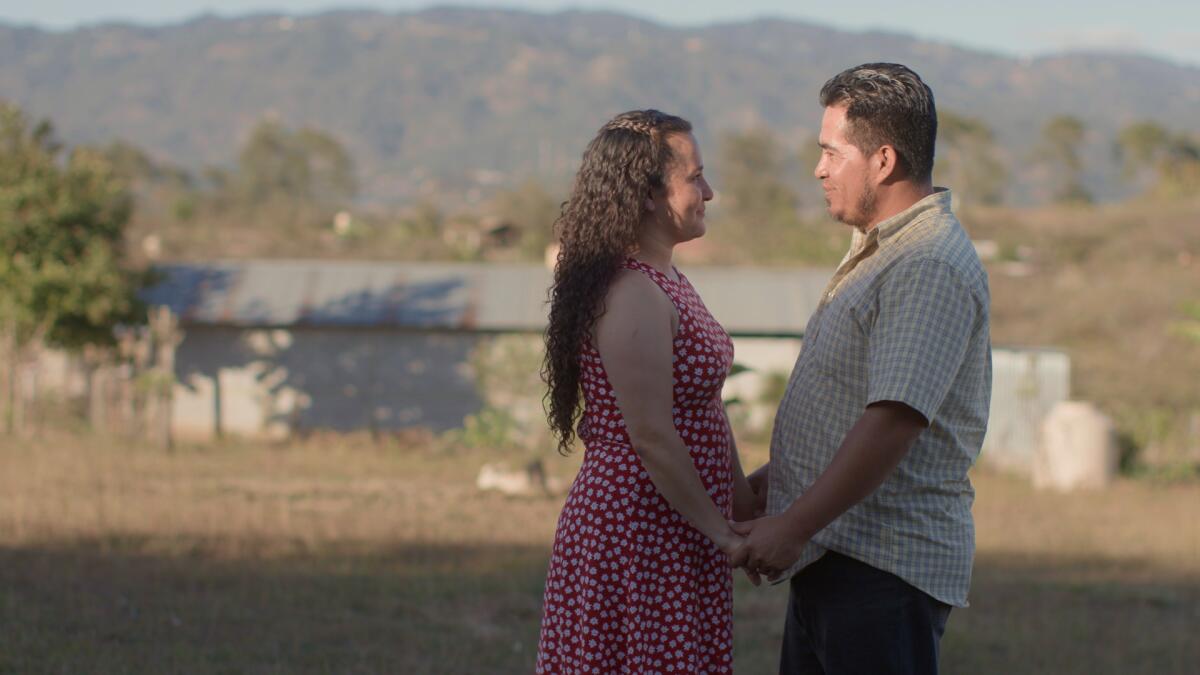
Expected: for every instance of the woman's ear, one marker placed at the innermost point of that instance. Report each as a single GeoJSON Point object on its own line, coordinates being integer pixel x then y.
{"type": "Point", "coordinates": [649, 203]}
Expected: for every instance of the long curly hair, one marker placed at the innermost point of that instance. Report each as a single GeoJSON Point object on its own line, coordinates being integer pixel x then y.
{"type": "Point", "coordinates": [598, 228]}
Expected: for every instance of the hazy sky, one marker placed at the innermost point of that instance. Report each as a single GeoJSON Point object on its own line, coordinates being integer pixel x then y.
{"type": "Point", "coordinates": [1166, 28]}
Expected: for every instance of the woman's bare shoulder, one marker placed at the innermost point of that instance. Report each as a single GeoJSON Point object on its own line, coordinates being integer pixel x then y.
{"type": "Point", "coordinates": [635, 292]}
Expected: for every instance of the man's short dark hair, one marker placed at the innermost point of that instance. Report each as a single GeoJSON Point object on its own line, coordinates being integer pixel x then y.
{"type": "Point", "coordinates": [887, 104]}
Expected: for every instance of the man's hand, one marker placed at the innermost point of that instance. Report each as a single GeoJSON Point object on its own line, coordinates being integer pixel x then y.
{"type": "Point", "coordinates": [749, 504]}
{"type": "Point", "coordinates": [772, 545]}
{"type": "Point", "coordinates": [759, 479]}
{"type": "Point", "coordinates": [758, 483]}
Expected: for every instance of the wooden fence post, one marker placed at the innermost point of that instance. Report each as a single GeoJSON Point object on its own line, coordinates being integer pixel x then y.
{"type": "Point", "coordinates": [165, 336]}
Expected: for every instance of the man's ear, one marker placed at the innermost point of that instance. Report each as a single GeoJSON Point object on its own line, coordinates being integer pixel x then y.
{"type": "Point", "coordinates": [886, 163]}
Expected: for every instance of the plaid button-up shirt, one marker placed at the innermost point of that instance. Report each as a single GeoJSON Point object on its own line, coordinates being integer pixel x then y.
{"type": "Point", "coordinates": [905, 318]}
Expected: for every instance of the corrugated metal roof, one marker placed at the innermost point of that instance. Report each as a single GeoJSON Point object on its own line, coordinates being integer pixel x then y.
{"type": "Point", "coordinates": [463, 296]}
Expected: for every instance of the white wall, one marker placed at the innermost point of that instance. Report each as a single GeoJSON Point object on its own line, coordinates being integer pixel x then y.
{"type": "Point", "coordinates": [1026, 383]}
{"type": "Point", "coordinates": [267, 384]}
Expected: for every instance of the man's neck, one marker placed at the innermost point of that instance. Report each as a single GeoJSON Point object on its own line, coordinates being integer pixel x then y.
{"type": "Point", "coordinates": [897, 198]}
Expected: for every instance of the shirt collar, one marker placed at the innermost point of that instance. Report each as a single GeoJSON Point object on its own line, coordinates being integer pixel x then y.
{"type": "Point", "coordinates": [939, 201]}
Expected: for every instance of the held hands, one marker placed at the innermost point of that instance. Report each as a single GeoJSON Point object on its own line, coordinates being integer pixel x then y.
{"type": "Point", "coordinates": [771, 546]}
{"type": "Point", "coordinates": [748, 505]}
{"type": "Point", "coordinates": [733, 545]}
{"type": "Point", "coordinates": [762, 546]}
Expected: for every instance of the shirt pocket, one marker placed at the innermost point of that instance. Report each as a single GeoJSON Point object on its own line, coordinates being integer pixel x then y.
{"type": "Point", "coordinates": [842, 353]}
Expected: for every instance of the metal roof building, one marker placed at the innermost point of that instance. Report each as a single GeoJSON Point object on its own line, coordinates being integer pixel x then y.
{"type": "Point", "coordinates": [272, 347]}
{"type": "Point", "coordinates": [449, 296]}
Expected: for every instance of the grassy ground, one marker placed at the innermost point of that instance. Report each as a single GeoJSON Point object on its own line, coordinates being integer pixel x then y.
{"type": "Point", "coordinates": [337, 557]}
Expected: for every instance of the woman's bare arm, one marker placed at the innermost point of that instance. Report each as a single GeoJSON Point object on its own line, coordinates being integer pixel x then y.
{"type": "Point", "coordinates": [634, 337]}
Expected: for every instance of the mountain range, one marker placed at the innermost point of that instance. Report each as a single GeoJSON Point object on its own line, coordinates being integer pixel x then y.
{"type": "Point", "coordinates": [466, 99]}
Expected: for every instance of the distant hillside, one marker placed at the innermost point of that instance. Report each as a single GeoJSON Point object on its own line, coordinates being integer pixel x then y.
{"type": "Point", "coordinates": [459, 95]}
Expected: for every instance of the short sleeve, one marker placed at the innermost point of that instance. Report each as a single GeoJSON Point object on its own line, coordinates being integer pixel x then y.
{"type": "Point", "coordinates": [922, 328]}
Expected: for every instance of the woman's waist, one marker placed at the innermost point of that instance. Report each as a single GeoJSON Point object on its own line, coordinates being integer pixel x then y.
{"type": "Point", "coordinates": [618, 464]}
{"type": "Point", "coordinates": [604, 412]}
{"type": "Point", "coordinates": [706, 450]}
{"type": "Point", "coordinates": [602, 428]}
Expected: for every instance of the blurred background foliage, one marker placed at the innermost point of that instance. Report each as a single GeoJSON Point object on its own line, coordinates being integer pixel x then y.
{"type": "Point", "coordinates": [1114, 283]}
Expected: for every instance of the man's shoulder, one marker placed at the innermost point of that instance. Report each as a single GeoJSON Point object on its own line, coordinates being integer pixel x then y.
{"type": "Point", "coordinates": [940, 240]}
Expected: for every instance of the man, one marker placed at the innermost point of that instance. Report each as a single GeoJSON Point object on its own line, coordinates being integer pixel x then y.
{"type": "Point", "coordinates": [867, 492]}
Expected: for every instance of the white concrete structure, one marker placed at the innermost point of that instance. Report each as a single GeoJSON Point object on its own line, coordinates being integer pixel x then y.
{"type": "Point", "coordinates": [1077, 449]}
{"type": "Point", "coordinates": [1026, 384]}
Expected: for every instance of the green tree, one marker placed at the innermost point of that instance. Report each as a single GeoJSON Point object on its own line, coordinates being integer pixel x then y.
{"type": "Point", "coordinates": [1169, 163]}
{"type": "Point", "coordinates": [533, 210]}
{"type": "Point", "coordinates": [967, 162]}
{"type": "Point", "coordinates": [752, 177]}
{"type": "Point", "coordinates": [1059, 150]}
{"type": "Point", "coordinates": [306, 166]}
{"type": "Point", "coordinates": [1141, 144]}
{"type": "Point", "coordinates": [62, 282]}
{"type": "Point", "coordinates": [755, 206]}
{"type": "Point", "coordinates": [758, 212]}
{"type": "Point", "coordinates": [132, 164]}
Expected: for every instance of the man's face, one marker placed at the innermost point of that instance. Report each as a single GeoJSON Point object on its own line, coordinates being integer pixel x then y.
{"type": "Point", "coordinates": [844, 172]}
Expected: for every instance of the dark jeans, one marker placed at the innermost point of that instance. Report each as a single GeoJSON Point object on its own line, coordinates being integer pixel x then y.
{"type": "Point", "coordinates": [846, 617]}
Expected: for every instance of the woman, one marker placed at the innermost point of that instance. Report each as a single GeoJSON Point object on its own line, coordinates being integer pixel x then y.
{"type": "Point", "coordinates": [639, 578]}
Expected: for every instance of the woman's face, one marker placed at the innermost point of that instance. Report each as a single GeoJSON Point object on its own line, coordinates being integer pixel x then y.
{"type": "Point", "coordinates": [680, 205]}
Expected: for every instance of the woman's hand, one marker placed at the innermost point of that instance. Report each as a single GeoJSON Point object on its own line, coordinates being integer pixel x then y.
{"type": "Point", "coordinates": [729, 541]}
{"type": "Point", "coordinates": [734, 546]}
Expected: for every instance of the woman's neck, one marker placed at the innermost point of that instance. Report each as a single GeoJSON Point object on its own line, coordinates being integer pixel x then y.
{"type": "Point", "coordinates": [656, 253]}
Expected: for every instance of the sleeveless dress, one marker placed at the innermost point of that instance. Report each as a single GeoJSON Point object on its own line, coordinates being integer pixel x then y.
{"type": "Point", "coordinates": [632, 586]}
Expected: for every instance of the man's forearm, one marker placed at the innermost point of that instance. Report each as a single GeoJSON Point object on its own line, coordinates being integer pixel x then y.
{"type": "Point", "coordinates": [869, 453]}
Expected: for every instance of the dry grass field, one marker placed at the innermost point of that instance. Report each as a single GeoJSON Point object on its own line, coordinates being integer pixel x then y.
{"type": "Point", "coordinates": [336, 556]}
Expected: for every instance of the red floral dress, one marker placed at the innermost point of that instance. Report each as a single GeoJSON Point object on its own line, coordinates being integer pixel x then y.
{"type": "Point", "coordinates": [632, 587]}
